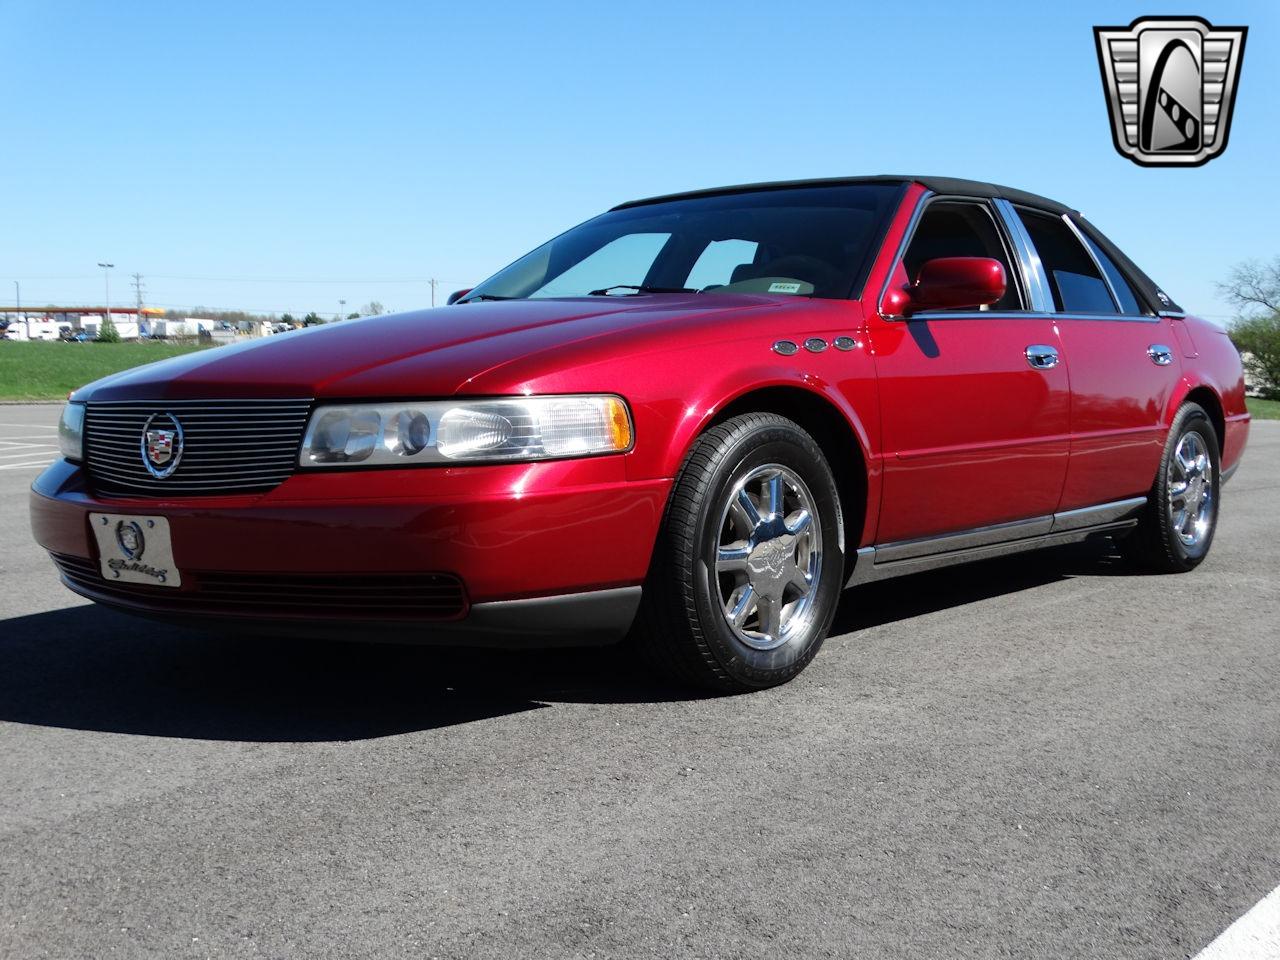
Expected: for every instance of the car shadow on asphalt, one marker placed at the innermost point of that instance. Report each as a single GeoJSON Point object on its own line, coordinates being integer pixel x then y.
{"type": "Point", "coordinates": [889, 601]}
{"type": "Point", "coordinates": [89, 668]}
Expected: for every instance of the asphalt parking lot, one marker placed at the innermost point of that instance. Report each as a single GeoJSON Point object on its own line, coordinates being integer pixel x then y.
{"type": "Point", "coordinates": [1034, 757]}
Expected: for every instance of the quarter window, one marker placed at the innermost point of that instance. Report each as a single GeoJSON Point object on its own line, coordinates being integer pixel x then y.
{"type": "Point", "coordinates": [1077, 285]}
{"type": "Point", "coordinates": [1120, 286]}
{"type": "Point", "coordinates": [961, 228]}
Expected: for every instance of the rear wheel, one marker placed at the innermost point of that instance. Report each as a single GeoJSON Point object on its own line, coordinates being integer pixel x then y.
{"type": "Point", "coordinates": [1177, 528]}
{"type": "Point", "coordinates": [747, 569]}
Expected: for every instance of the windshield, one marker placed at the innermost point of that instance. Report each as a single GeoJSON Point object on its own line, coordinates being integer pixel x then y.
{"type": "Point", "coordinates": [796, 241]}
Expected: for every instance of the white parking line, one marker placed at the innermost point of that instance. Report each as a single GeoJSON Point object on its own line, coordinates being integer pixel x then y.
{"type": "Point", "coordinates": [28, 454]}
{"type": "Point", "coordinates": [1255, 936]}
{"type": "Point", "coordinates": [29, 426]}
{"type": "Point", "coordinates": [17, 466]}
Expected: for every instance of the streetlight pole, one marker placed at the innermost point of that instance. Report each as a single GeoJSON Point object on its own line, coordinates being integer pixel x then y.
{"type": "Point", "coordinates": [342, 309]}
{"type": "Point", "coordinates": [106, 283]}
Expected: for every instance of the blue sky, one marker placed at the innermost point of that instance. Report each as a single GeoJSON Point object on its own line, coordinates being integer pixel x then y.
{"type": "Point", "coordinates": [281, 156]}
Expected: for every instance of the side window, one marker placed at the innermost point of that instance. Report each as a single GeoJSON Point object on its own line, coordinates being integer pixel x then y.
{"type": "Point", "coordinates": [626, 260]}
{"type": "Point", "coordinates": [961, 228]}
{"type": "Point", "coordinates": [1124, 293]}
{"type": "Point", "coordinates": [1077, 285]}
{"type": "Point", "coordinates": [718, 261]}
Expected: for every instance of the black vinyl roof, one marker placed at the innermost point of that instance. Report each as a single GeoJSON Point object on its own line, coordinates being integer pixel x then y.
{"type": "Point", "coordinates": [946, 185]}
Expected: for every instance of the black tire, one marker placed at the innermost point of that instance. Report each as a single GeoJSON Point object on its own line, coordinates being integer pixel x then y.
{"type": "Point", "coordinates": [1157, 544]}
{"type": "Point", "coordinates": [682, 628]}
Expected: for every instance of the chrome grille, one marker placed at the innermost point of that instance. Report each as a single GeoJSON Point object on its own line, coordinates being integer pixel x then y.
{"type": "Point", "coordinates": [229, 446]}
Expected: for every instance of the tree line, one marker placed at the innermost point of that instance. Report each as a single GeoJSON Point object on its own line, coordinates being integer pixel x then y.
{"type": "Point", "coordinates": [236, 317]}
{"type": "Point", "coordinates": [1253, 288]}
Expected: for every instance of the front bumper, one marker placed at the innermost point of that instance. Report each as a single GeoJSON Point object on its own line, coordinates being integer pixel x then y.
{"type": "Point", "coordinates": [546, 553]}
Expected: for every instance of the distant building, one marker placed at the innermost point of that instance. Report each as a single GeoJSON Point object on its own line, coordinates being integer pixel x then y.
{"type": "Point", "coordinates": [50, 322]}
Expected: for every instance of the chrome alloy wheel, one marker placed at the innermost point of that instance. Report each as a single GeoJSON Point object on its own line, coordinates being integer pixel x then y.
{"type": "Point", "coordinates": [768, 557]}
{"type": "Point", "coordinates": [1190, 486]}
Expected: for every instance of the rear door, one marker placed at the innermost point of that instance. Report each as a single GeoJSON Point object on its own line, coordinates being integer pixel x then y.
{"type": "Point", "coordinates": [1123, 365]}
{"type": "Point", "coordinates": [973, 434]}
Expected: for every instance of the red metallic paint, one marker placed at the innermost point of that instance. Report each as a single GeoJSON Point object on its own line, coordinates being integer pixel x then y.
{"type": "Point", "coordinates": [971, 434]}
{"type": "Point", "coordinates": [508, 531]}
{"type": "Point", "coordinates": [952, 426]}
{"type": "Point", "coordinates": [1118, 402]}
{"type": "Point", "coordinates": [953, 282]}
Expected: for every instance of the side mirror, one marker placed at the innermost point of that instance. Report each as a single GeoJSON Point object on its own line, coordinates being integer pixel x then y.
{"type": "Point", "coordinates": [948, 283]}
{"type": "Point", "coordinates": [457, 295]}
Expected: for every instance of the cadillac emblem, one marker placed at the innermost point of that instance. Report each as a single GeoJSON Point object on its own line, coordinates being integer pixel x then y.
{"type": "Point", "coordinates": [161, 444]}
{"type": "Point", "coordinates": [1171, 86]}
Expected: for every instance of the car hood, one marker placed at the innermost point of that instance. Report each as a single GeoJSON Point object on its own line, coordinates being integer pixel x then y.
{"type": "Point", "coordinates": [436, 351]}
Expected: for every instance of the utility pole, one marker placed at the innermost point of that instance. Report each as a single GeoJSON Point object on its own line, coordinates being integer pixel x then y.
{"type": "Point", "coordinates": [17, 300]}
{"type": "Point", "coordinates": [432, 281]}
{"type": "Point", "coordinates": [139, 288]}
{"type": "Point", "coordinates": [106, 284]}
{"type": "Point", "coordinates": [342, 309]}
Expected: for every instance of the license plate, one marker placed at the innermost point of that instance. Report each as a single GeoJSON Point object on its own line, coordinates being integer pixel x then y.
{"type": "Point", "coordinates": [134, 549]}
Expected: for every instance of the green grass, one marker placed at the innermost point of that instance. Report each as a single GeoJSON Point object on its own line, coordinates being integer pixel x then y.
{"type": "Point", "coordinates": [49, 371]}
{"type": "Point", "coordinates": [1264, 409]}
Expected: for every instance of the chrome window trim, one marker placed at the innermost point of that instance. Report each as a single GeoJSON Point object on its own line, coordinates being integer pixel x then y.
{"type": "Point", "coordinates": [921, 202]}
{"type": "Point", "coordinates": [1048, 309]}
{"type": "Point", "coordinates": [1037, 281]}
{"type": "Point", "coordinates": [1011, 251]}
{"type": "Point", "coordinates": [1026, 315]}
{"type": "Point", "coordinates": [1097, 264]}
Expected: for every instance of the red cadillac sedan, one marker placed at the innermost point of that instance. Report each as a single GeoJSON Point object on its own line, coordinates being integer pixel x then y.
{"type": "Point", "coordinates": [691, 421]}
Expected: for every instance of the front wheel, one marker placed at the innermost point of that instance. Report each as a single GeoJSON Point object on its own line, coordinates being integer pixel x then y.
{"type": "Point", "coordinates": [748, 566]}
{"type": "Point", "coordinates": [1177, 529]}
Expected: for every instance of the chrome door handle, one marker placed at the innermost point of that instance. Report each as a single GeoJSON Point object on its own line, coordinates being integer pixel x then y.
{"type": "Point", "coordinates": [1160, 355]}
{"type": "Point", "coordinates": [1042, 356]}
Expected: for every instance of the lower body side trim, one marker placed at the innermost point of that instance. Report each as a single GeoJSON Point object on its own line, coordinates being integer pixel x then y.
{"type": "Point", "coordinates": [1068, 526]}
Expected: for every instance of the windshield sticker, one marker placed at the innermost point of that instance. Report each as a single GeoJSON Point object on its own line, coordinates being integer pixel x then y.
{"type": "Point", "coordinates": [784, 288]}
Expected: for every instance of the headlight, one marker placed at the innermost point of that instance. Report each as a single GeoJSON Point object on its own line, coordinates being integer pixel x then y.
{"type": "Point", "coordinates": [71, 431]}
{"type": "Point", "coordinates": [513, 429]}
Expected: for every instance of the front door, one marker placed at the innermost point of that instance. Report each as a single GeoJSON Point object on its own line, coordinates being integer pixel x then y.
{"type": "Point", "coordinates": [973, 434]}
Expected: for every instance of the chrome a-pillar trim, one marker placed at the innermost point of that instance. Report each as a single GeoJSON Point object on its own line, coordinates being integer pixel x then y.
{"type": "Point", "coordinates": [1034, 277]}
{"type": "Point", "coordinates": [980, 543]}
{"type": "Point", "coordinates": [921, 202]}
